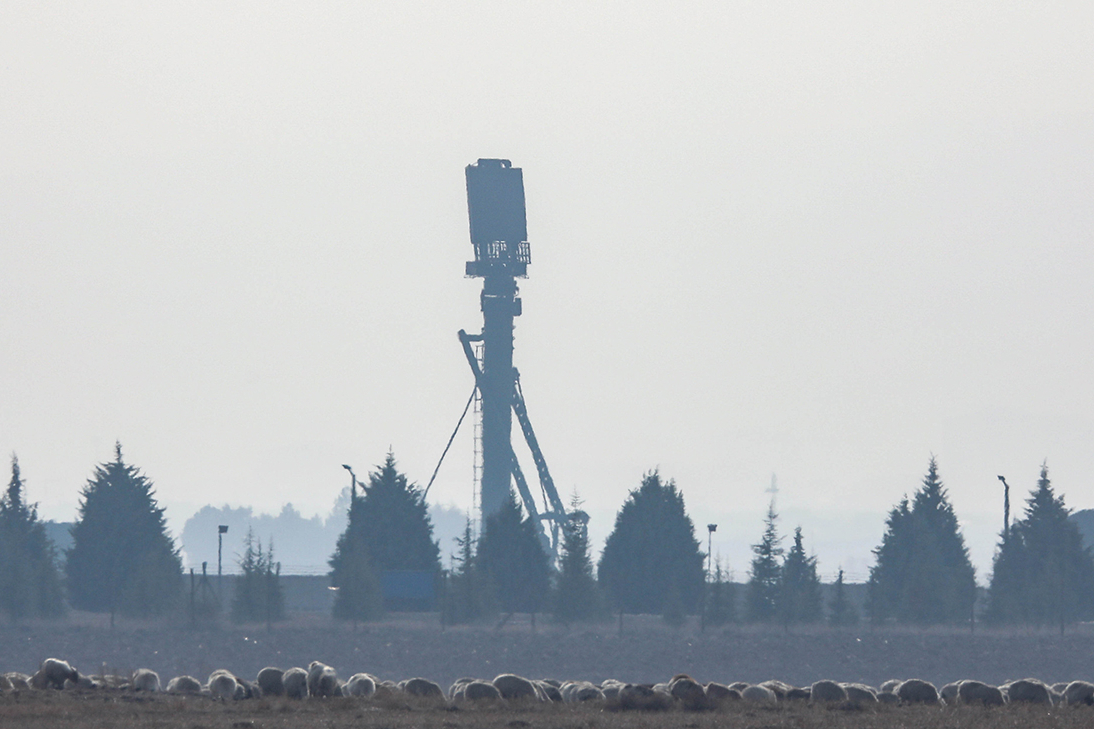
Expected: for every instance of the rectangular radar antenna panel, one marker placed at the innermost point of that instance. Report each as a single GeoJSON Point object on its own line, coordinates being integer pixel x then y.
{"type": "Point", "coordinates": [495, 204]}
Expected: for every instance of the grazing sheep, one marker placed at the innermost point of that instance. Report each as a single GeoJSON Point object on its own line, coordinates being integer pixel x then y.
{"type": "Point", "coordinates": [718, 693]}
{"type": "Point", "coordinates": [480, 691]}
{"type": "Point", "coordinates": [760, 694]}
{"type": "Point", "coordinates": [779, 687]}
{"type": "Point", "coordinates": [52, 674]}
{"type": "Point", "coordinates": [270, 681]}
{"type": "Point", "coordinates": [145, 679]}
{"type": "Point", "coordinates": [917, 691]}
{"type": "Point", "coordinates": [183, 685]}
{"type": "Point", "coordinates": [949, 692]}
{"type": "Point", "coordinates": [688, 691]}
{"type": "Point", "coordinates": [825, 690]}
{"type": "Point", "coordinates": [514, 687]}
{"type": "Point", "coordinates": [976, 692]}
{"type": "Point", "coordinates": [1079, 693]}
{"type": "Point", "coordinates": [323, 680]}
{"type": "Point", "coordinates": [860, 693]}
{"type": "Point", "coordinates": [295, 683]}
{"type": "Point", "coordinates": [18, 681]}
{"type": "Point", "coordinates": [422, 687]}
{"type": "Point", "coordinates": [455, 691]}
{"type": "Point", "coordinates": [576, 692]}
{"type": "Point", "coordinates": [223, 685]}
{"type": "Point", "coordinates": [643, 697]}
{"type": "Point", "coordinates": [549, 690]}
{"type": "Point", "coordinates": [1028, 691]}
{"type": "Point", "coordinates": [360, 685]}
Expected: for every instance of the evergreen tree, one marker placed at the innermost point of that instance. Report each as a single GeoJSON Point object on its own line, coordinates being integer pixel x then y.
{"type": "Point", "coordinates": [841, 612]}
{"type": "Point", "coordinates": [122, 559]}
{"type": "Point", "coordinates": [722, 600]}
{"type": "Point", "coordinates": [762, 598]}
{"type": "Point", "coordinates": [923, 574]}
{"type": "Point", "coordinates": [799, 598]}
{"type": "Point", "coordinates": [652, 553]}
{"type": "Point", "coordinates": [395, 522]}
{"type": "Point", "coordinates": [468, 597]}
{"type": "Point", "coordinates": [357, 587]}
{"type": "Point", "coordinates": [511, 557]}
{"type": "Point", "coordinates": [258, 595]}
{"type": "Point", "coordinates": [30, 584]}
{"type": "Point", "coordinates": [1043, 575]}
{"type": "Point", "coordinates": [577, 596]}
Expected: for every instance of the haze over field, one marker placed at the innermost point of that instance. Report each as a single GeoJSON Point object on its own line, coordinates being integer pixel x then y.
{"type": "Point", "coordinates": [821, 241]}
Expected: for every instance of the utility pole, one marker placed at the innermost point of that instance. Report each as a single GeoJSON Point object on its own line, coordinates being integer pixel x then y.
{"type": "Point", "coordinates": [711, 528]}
{"type": "Point", "coordinates": [221, 531]}
{"type": "Point", "coordinates": [353, 484]}
{"type": "Point", "coordinates": [1006, 508]}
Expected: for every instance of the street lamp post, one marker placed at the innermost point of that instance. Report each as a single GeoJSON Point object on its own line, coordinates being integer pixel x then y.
{"type": "Point", "coordinates": [221, 531]}
{"type": "Point", "coordinates": [353, 483]}
{"type": "Point", "coordinates": [711, 528]}
{"type": "Point", "coordinates": [1006, 508]}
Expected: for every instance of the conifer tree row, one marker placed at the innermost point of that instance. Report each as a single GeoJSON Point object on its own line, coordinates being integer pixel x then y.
{"type": "Point", "coordinates": [122, 559]}
{"type": "Point", "coordinates": [30, 584]}
{"type": "Point", "coordinates": [923, 574]}
{"type": "Point", "coordinates": [1042, 573]}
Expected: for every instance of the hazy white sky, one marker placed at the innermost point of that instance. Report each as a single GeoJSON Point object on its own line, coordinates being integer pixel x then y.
{"type": "Point", "coordinates": [822, 240]}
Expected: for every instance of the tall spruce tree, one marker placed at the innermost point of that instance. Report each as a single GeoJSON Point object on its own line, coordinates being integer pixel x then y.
{"type": "Point", "coordinates": [353, 576]}
{"type": "Point", "coordinates": [722, 598]}
{"type": "Point", "coordinates": [841, 613]}
{"type": "Point", "coordinates": [122, 559]}
{"type": "Point", "coordinates": [468, 596]}
{"type": "Point", "coordinates": [258, 596]}
{"type": "Point", "coordinates": [799, 598]}
{"type": "Point", "coordinates": [577, 596]}
{"type": "Point", "coordinates": [395, 522]}
{"type": "Point", "coordinates": [922, 574]}
{"type": "Point", "coordinates": [762, 598]}
{"type": "Point", "coordinates": [511, 557]}
{"type": "Point", "coordinates": [652, 559]}
{"type": "Point", "coordinates": [30, 583]}
{"type": "Point", "coordinates": [1043, 575]}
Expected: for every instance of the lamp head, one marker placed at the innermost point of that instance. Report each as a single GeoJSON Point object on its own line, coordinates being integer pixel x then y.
{"type": "Point", "coordinates": [712, 527]}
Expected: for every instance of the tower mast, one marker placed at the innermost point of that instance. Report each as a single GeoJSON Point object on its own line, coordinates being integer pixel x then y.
{"type": "Point", "coordinates": [499, 236]}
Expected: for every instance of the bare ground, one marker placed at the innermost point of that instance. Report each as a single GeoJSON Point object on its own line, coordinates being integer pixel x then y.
{"type": "Point", "coordinates": [646, 652]}
{"type": "Point", "coordinates": [56, 710]}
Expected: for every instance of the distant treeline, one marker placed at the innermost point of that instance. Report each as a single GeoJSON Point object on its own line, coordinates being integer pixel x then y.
{"type": "Point", "coordinates": [119, 559]}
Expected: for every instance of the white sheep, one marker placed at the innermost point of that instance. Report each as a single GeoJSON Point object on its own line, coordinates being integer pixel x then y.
{"type": "Point", "coordinates": [361, 685]}
{"type": "Point", "coordinates": [53, 673]}
{"type": "Point", "coordinates": [1079, 693]}
{"type": "Point", "coordinates": [1028, 691]}
{"type": "Point", "coordinates": [917, 691]}
{"type": "Point", "coordinates": [295, 683]}
{"type": "Point", "coordinates": [270, 681]}
{"type": "Point", "coordinates": [511, 686]}
{"type": "Point", "coordinates": [824, 691]}
{"type": "Point", "coordinates": [145, 679]}
{"type": "Point", "coordinates": [183, 685]}
{"type": "Point", "coordinates": [421, 687]}
{"type": "Point", "coordinates": [223, 685]}
{"type": "Point", "coordinates": [975, 692]}
{"type": "Point", "coordinates": [759, 694]}
{"type": "Point", "coordinates": [323, 680]}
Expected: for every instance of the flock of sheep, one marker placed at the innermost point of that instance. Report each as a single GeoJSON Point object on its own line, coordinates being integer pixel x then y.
{"type": "Point", "coordinates": [321, 681]}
